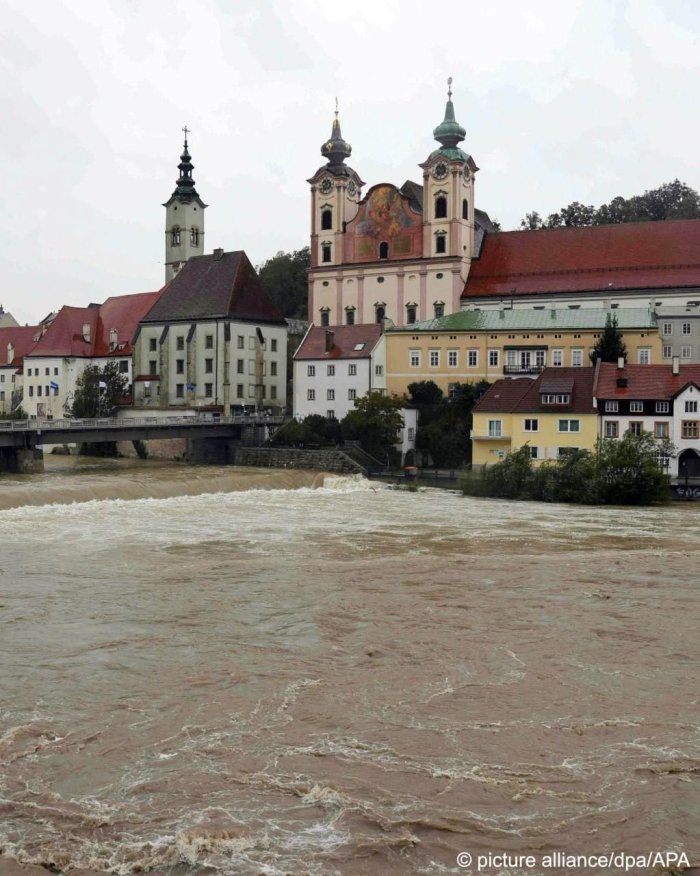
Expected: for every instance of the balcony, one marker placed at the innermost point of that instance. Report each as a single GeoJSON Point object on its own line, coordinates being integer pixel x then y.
{"type": "Point", "coordinates": [485, 436]}
{"type": "Point", "coordinates": [523, 371]}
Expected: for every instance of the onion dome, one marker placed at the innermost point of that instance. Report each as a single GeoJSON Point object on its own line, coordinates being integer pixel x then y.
{"type": "Point", "coordinates": [185, 190]}
{"type": "Point", "coordinates": [449, 132]}
{"type": "Point", "coordinates": [336, 150]}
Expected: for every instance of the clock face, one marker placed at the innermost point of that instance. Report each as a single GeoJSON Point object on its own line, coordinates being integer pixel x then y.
{"type": "Point", "coordinates": [440, 171]}
{"type": "Point", "coordinates": [351, 188]}
{"type": "Point", "coordinates": [326, 186]}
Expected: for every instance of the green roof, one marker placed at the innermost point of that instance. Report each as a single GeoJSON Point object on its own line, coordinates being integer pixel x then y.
{"type": "Point", "coordinates": [533, 320]}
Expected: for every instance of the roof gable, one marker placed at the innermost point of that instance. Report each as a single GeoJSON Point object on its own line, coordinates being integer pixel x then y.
{"type": "Point", "coordinates": [19, 340]}
{"type": "Point", "coordinates": [223, 285]}
{"type": "Point", "coordinates": [523, 395]}
{"type": "Point", "coordinates": [348, 342]}
{"type": "Point", "coordinates": [644, 382]}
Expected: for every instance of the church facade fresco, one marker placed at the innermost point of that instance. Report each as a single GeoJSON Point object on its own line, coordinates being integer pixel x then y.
{"type": "Point", "coordinates": [385, 227]}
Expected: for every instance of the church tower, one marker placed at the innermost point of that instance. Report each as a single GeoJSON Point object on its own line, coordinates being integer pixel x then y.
{"type": "Point", "coordinates": [184, 219]}
{"type": "Point", "coordinates": [335, 193]}
{"type": "Point", "coordinates": [448, 193]}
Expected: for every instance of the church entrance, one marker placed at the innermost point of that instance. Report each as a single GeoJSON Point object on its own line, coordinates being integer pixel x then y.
{"type": "Point", "coordinates": [688, 465]}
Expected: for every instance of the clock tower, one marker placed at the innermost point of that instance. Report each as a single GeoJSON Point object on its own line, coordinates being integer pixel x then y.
{"type": "Point", "coordinates": [448, 193]}
{"type": "Point", "coordinates": [184, 218]}
{"type": "Point", "coordinates": [335, 193]}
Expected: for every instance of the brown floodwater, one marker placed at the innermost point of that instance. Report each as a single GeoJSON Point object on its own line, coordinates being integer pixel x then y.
{"type": "Point", "coordinates": [237, 672]}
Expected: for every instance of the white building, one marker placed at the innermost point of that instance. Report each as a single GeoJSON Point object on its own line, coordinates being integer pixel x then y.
{"type": "Point", "coordinates": [333, 367]}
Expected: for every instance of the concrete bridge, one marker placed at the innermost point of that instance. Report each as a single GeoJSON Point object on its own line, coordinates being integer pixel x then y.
{"type": "Point", "coordinates": [209, 436]}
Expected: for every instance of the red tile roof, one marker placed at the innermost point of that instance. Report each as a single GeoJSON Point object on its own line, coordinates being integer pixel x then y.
{"type": "Point", "coordinates": [522, 395]}
{"type": "Point", "coordinates": [221, 285]}
{"type": "Point", "coordinates": [64, 337]}
{"type": "Point", "coordinates": [605, 259]}
{"type": "Point", "coordinates": [22, 338]}
{"type": "Point", "coordinates": [345, 340]}
{"type": "Point", "coordinates": [644, 381]}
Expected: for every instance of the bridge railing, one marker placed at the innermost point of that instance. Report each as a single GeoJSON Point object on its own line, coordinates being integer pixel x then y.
{"type": "Point", "coordinates": [127, 422]}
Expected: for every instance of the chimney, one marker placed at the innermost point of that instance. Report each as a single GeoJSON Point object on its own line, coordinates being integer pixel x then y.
{"type": "Point", "coordinates": [330, 341]}
{"type": "Point", "coordinates": [218, 254]}
{"type": "Point", "coordinates": [553, 311]}
{"type": "Point", "coordinates": [10, 353]}
{"type": "Point", "coordinates": [676, 365]}
{"type": "Point", "coordinates": [620, 362]}
{"type": "Point", "coordinates": [86, 332]}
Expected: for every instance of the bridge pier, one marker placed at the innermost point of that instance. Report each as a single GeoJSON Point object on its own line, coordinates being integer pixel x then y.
{"type": "Point", "coordinates": [210, 451]}
{"type": "Point", "coordinates": [21, 460]}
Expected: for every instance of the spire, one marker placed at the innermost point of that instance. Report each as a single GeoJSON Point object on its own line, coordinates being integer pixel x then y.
{"type": "Point", "coordinates": [336, 150]}
{"type": "Point", "coordinates": [449, 132]}
{"type": "Point", "coordinates": [185, 190]}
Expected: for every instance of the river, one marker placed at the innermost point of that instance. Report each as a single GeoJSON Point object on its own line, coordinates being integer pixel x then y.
{"type": "Point", "coordinates": [238, 672]}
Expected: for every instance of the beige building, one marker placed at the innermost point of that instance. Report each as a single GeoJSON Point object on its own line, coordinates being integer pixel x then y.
{"type": "Point", "coordinates": [470, 346]}
{"type": "Point", "coordinates": [400, 254]}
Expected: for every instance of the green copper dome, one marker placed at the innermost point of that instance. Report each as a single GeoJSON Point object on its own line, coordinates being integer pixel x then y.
{"type": "Point", "coordinates": [449, 132]}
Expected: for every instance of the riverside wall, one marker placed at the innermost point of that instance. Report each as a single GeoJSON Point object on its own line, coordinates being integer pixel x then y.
{"type": "Point", "coordinates": [281, 457]}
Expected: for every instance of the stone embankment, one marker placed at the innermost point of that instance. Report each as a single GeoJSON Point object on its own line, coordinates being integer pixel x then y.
{"type": "Point", "coordinates": [282, 457]}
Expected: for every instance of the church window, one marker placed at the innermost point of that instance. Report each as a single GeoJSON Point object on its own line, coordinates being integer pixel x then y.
{"type": "Point", "coordinates": [465, 209]}
{"type": "Point", "coordinates": [379, 313]}
{"type": "Point", "coordinates": [180, 366]}
{"type": "Point", "coordinates": [326, 220]}
{"type": "Point", "coordinates": [441, 207]}
{"type": "Point", "coordinates": [152, 344]}
{"type": "Point", "coordinates": [325, 316]}
{"type": "Point", "coordinates": [180, 342]}
{"type": "Point", "coordinates": [194, 236]}
{"type": "Point", "coordinates": [326, 252]}
{"type": "Point", "coordinates": [208, 366]}
{"type": "Point", "coordinates": [175, 234]}
{"type": "Point", "coordinates": [350, 316]}
{"type": "Point", "coordinates": [411, 314]}
{"type": "Point", "coordinates": [152, 366]}
{"type": "Point", "coordinates": [383, 250]}
{"type": "Point", "coordinates": [179, 390]}
{"type": "Point", "coordinates": [440, 243]}
{"type": "Point", "coordinates": [439, 309]}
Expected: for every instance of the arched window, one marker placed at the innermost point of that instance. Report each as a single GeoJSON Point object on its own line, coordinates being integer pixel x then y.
{"type": "Point", "coordinates": [410, 313]}
{"type": "Point", "coordinates": [326, 252]}
{"type": "Point", "coordinates": [465, 209]}
{"type": "Point", "coordinates": [350, 316]}
{"type": "Point", "coordinates": [194, 236]}
{"type": "Point", "coordinates": [441, 243]}
{"type": "Point", "coordinates": [439, 309]}
{"type": "Point", "coordinates": [383, 250]}
{"type": "Point", "coordinates": [441, 208]}
{"type": "Point", "coordinates": [326, 220]}
{"type": "Point", "coordinates": [325, 316]}
{"type": "Point", "coordinates": [175, 235]}
{"type": "Point", "coordinates": [379, 312]}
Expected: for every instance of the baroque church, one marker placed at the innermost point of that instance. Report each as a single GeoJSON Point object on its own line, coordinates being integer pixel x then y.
{"type": "Point", "coordinates": [396, 254]}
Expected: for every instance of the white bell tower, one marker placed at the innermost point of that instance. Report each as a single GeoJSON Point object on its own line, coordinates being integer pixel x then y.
{"type": "Point", "coordinates": [184, 218]}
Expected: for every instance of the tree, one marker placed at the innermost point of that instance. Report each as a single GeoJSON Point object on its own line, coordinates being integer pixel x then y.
{"type": "Point", "coordinates": [284, 278]}
{"type": "Point", "coordinates": [424, 393]}
{"type": "Point", "coordinates": [673, 200]}
{"type": "Point", "coordinates": [375, 423]}
{"type": "Point", "coordinates": [98, 391]}
{"type": "Point", "coordinates": [609, 347]}
{"type": "Point", "coordinates": [627, 472]}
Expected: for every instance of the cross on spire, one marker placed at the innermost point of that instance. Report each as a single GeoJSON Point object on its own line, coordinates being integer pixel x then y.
{"type": "Point", "coordinates": [449, 88]}
{"type": "Point", "coordinates": [187, 131]}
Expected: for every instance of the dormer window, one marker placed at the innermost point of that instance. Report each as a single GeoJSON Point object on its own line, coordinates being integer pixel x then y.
{"type": "Point", "coordinates": [555, 398]}
{"type": "Point", "coordinates": [441, 207]}
{"type": "Point", "coordinates": [175, 235]}
{"type": "Point", "coordinates": [326, 219]}
{"type": "Point", "coordinates": [194, 236]}
{"type": "Point", "coordinates": [384, 250]}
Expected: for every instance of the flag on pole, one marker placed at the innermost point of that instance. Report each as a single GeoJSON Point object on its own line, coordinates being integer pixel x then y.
{"type": "Point", "coordinates": [54, 386]}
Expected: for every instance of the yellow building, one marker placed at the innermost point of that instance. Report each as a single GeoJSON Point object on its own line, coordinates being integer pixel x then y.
{"type": "Point", "coordinates": [553, 414]}
{"type": "Point", "coordinates": [473, 345]}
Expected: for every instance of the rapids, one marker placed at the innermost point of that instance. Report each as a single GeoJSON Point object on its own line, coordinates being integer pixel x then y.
{"type": "Point", "coordinates": [237, 672]}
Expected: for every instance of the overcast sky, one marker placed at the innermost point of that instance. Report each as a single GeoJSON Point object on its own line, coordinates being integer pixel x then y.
{"type": "Point", "coordinates": [561, 100]}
